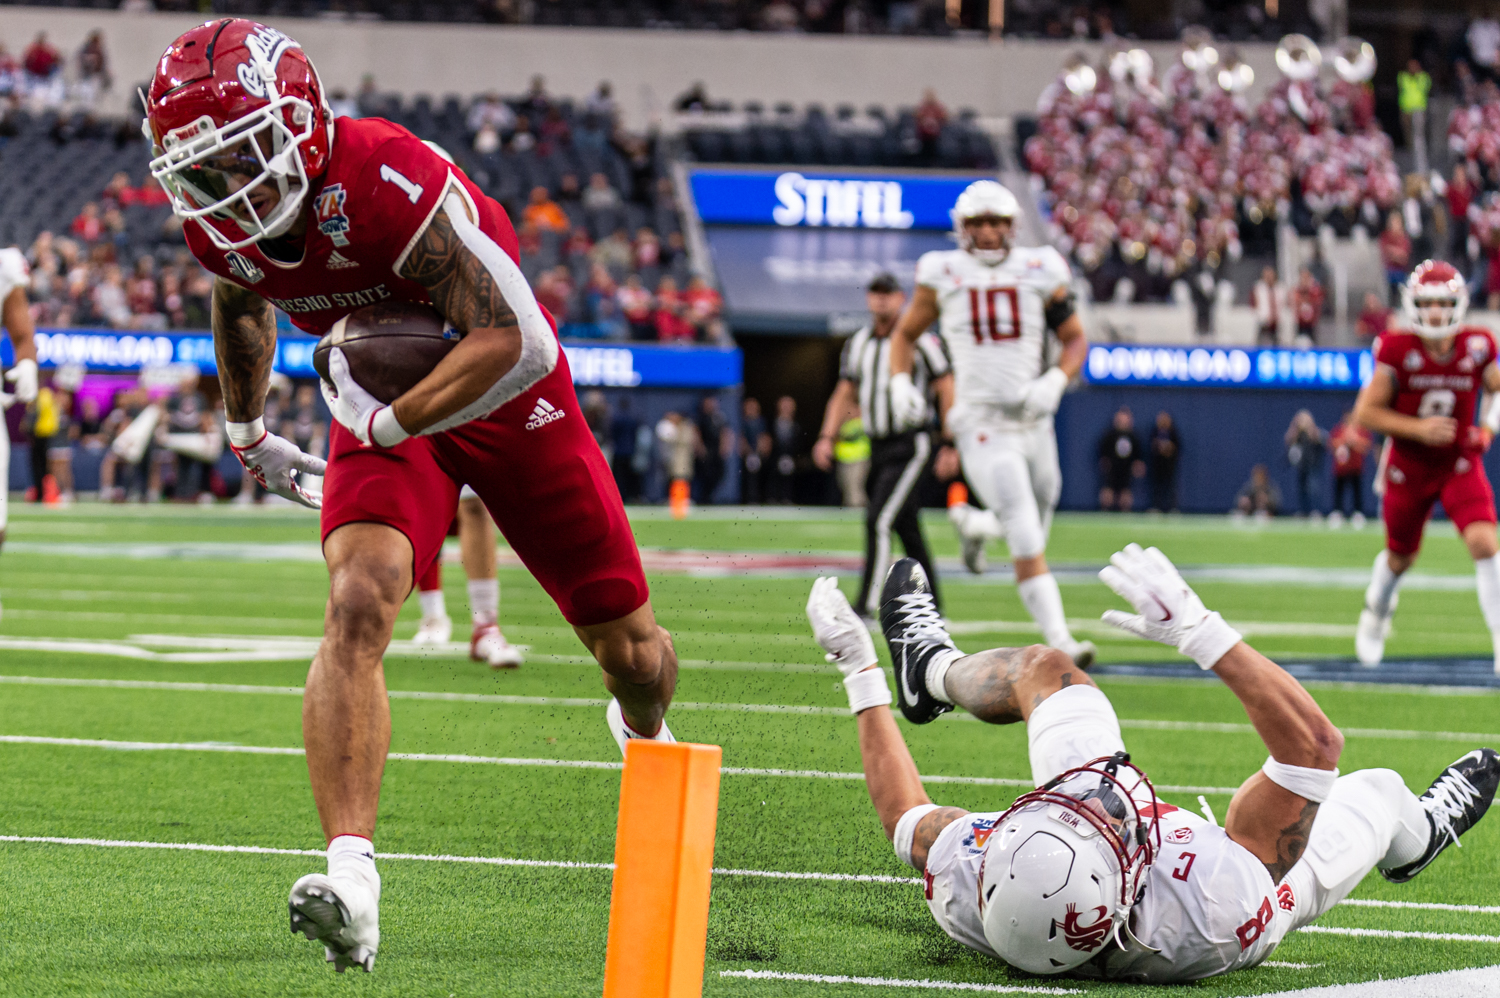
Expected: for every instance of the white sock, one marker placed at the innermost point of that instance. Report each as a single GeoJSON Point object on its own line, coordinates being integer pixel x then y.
{"type": "Point", "coordinates": [1044, 602]}
{"type": "Point", "coordinates": [937, 673]}
{"type": "Point", "coordinates": [432, 604]}
{"type": "Point", "coordinates": [1487, 574]}
{"type": "Point", "coordinates": [1383, 585]}
{"type": "Point", "coordinates": [354, 856]}
{"type": "Point", "coordinates": [484, 600]}
{"type": "Point", "coordinates": [1413, 833]}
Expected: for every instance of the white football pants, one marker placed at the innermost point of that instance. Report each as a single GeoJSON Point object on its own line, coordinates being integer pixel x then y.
{"type": "Point", "coordinates": [1014, 471]}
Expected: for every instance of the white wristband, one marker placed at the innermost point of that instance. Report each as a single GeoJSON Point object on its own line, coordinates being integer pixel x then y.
{"type": "Point", "coordinates": [385, 429]}
{"type": "Point", "coordinates": [1311, 784]}
{"type": "Point", "coordinates": [1491, 419]}
{"type": "Point", "coordinates": [244, 435]}
{"type": "Point", "coordinates": [867, 689]}
{"type": "Point", "coordinates": [1208, 641]}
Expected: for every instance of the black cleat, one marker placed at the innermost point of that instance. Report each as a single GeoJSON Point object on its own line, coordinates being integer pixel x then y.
{"type": "Point", "coordinates": [1454, 804]}
{"type": "Point", "coordinates": [914, 631]}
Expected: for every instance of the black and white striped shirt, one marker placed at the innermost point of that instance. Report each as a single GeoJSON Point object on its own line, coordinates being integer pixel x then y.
{"type": "Point", "coordinates": [866, 361]}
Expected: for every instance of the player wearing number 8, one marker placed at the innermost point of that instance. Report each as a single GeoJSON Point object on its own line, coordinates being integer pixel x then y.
{"type": "Point", "coordinates": [995, 305]}
{"type": "Point", "coordinates": [1423, 396]}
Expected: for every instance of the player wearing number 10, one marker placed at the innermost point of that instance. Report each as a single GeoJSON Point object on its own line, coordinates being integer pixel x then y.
{"type": "Point", "coordinates": [994, 304]}
{"type": "Point", "coordinates": [288, 207]}
{"type": "Point", "coordinates": [1423, 396]}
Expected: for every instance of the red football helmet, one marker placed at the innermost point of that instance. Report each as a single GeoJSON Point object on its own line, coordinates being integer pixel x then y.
{"type": "Point", "coordinates": [1435, 298]}
{"type": "Point", "coordinates": [235, 105]}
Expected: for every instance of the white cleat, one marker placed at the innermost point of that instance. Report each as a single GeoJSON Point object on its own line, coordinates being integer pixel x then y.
{"type": "Point", "coordinates": [343, 914]}
{"type": "Point", "coordinates": [489, 645]}
{"type": "Point", "coordinates": [433, 631]}
{"type": "Point", "coordinates": [623, 732]}
{"type": "Point", "coordinates": [1082, 653]}
{"type": "Point", "coordinates": [1370, 635]}
{"type": "Point", "coordinates": [976, 528]}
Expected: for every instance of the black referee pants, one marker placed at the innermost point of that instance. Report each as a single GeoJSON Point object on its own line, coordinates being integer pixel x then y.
{"type": "Point", "coordinates": [896, 465]}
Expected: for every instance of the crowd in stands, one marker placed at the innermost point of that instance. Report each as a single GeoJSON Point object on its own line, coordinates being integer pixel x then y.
{"type": "Point", "coordinates": [594, 207]}
{"type": "Point", "coordinates": [1058, 19]}
{"type": "Point", "coordinates": [1154, 182]}
{"type": "Point", "coordinates": [40, 74]}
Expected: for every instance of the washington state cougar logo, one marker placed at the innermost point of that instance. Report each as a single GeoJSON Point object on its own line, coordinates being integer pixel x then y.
{"type": "Point", "coordinates": [1085, 938]}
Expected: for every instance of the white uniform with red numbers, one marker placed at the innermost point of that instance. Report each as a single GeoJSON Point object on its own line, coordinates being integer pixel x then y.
{"type": "Point", "coordinates": [993, 321]}
{"type": "Point", "coordinates": [13, 274]}
{"type": "Point", "coordinates": [1209, 905]}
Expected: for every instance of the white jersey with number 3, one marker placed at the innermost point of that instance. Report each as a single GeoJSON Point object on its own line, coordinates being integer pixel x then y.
{"type": "Point", "coordinates": [992, 319]}
{"type": "Point", "coordinates": [13, 272]}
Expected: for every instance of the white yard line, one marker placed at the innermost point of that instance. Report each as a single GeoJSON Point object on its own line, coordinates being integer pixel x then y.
{"type": "Point", "coordinates": [1094, 626]}
{"type": "Point", "coordinates": [484, 760]}
{"type": "Point", "coordinates": [1286, 965]}
{"type": "Point", "coordinates": [1140, 724]}
{"type": "Point", "coordinates": [860, 878]}
{"type": "Point", "coordinates": [896, 982]}
{"type": "Point", "coordinates": [1477, 982]}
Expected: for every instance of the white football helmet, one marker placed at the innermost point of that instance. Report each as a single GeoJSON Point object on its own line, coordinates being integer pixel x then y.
{"type": "Point", "coordinates": [1435, 299]}
{"type": "Point", "coordinates": [981, 198]}
{"type": "Point", "coordinates": [1066, 863]}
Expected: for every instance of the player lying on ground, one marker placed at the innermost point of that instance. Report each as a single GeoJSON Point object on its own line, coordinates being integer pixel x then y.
{"type": "Point", "coordinates": [15, 318]}
{"type": "Point", "coordinates": [1423, 396]}
{"type": "Point", "coordinates": [288, 207]}
{"type": "Point", "coordinates": [476, 542]}
{"type": "Point", "coordinates": [994, 304]}
{"type": "Point", "coordinates": [1090, 873]}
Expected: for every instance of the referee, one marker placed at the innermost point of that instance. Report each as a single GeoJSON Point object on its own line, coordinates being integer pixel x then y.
{"type": "Point", "coordinates": [897, 458]}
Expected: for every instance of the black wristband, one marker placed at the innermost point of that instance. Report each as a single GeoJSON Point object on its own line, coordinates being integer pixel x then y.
{"type": "Point", "coordinates": [1059, 311]}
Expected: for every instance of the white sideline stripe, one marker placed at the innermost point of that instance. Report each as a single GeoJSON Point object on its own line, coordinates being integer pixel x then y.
{"type": "Point", "coordinates": [483, 760]}
{"type": "Point", "coordinates": [856, 878]}
{"type": "Point", "coordinates": [1473, 909]}
{"type": "Point", "coordinates": [1471, 983]}
{"type": "Point", "coordinates": [1096, 627]}
{"type": "Point", "coordinates": [1442, 937]}
{"type": "Point", "coordinates": [896, 982]}
{"type": "Point", "coordinates": [1287, 965]}
{"type": "Point", "coordinates": [753, 708]}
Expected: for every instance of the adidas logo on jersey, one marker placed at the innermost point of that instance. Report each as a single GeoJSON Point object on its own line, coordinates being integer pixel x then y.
{"type": "Point", "coordinates": [544, 413]}
{"type": "Point", "coordinates": [337, 261]}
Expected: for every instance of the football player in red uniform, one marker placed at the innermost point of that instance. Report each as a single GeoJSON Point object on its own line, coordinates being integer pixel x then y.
{"type": "Point", "coordinates": [1423, 396]}
{"type": "Point", "coordinates": [288, 207]}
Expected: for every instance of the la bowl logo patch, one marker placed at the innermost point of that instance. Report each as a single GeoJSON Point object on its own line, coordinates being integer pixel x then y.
{"type": "Point", "coordinates": [1086, 938]}
{"type": "Point", "coordinates": [332, 221]}
{"type": "Point", "coordinates": [244, 268]}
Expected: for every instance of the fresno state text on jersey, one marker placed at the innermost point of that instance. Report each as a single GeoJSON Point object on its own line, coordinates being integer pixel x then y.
{"type": "Point", "coordinates": [1437, 386]}
{"type": "Point", "coordinates": [382, 186]}
{"type": "Point", "coordinates": [993, 320]}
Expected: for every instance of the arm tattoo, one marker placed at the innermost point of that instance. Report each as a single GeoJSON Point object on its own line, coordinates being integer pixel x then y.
{"type": "Point", "coordinates": [986, 686]}
{"type": "Point", "coordinates": [930, 827]}
{"type": "Point", "coordinates": [245, 347]}
{"type": "Point", "coordinates": [1291, 842]}
{"type": "Point", "coordinates": [460, 285]}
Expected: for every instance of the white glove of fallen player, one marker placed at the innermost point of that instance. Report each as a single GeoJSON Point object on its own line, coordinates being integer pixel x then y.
{"type": "Point", "coordinates": [838, 628]}
{"type": "Point", "coordinates": [1041, 396]}
{"type": "Point", "coordinates": [369, 419]}
{"type": "Point", "coordinates": [275, 462]}
{"type": "Point", "coordinates": [908, 404]}
{"type": "Point", "coordinates": [24, 377]}
{"type": "Point", "coordinates": [1167, 609]}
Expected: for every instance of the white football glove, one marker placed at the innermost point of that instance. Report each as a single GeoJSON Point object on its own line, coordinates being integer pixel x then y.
{"type": "Point", "coordinates": [369, 419]}
{"type": "Point", "coordinates": [838, 628]}
{"type": "Point", "coordinates": [908, 405]}
{"type": "Point", "coordinates": [24, 377]}
{"type": "Point", "coordinates": [275, 462]}
{"type": "Point", "coordinates": [1041, 396]}
{"type": "Point", "coordinates": [1167, 609]}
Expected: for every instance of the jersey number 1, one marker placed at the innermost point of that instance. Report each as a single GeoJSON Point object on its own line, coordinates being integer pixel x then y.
{"type": "Point", "coordinates": [990, 295]}
{"type": "Point", "coordinates": [413, 191]}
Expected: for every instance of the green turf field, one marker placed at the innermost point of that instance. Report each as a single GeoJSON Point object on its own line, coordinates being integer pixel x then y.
{"type": "Point", "coordinates": [191, 627]}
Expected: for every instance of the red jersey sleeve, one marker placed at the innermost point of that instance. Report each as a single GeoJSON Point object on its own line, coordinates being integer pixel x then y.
{"type": "Point", "coordinates": [398, 190]}
{"type": "Point", "coordinates": [1386, 351]}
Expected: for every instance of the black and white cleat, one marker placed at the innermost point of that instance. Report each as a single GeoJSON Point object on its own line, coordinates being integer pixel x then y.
{"type": "Point", "coordinates": [1454, 804]}
{"type": "Point", "coordinates": [915, 633]}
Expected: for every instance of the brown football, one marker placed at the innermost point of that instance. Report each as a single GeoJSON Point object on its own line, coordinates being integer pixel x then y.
{"type": "Point", "coordinates": [390, 346]}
